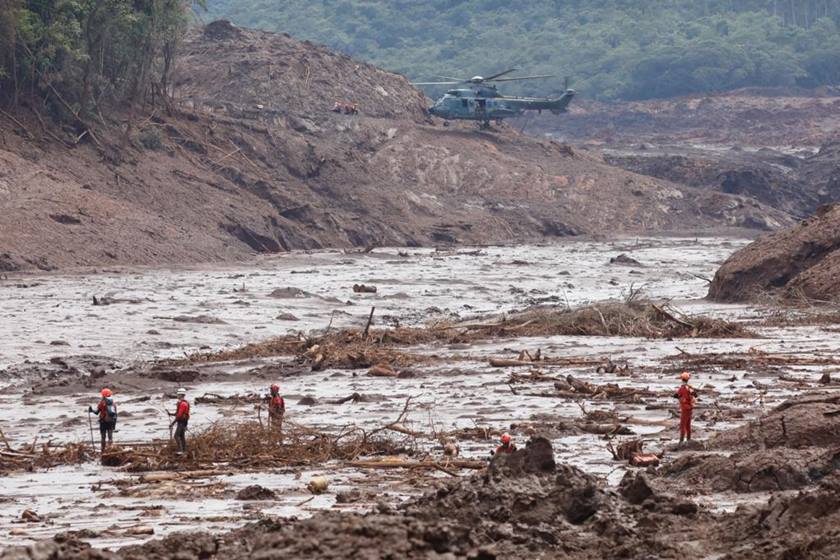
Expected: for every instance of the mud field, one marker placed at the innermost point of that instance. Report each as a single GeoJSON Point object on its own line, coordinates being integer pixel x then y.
{"type": "Point", "coordinates": [556, 344]}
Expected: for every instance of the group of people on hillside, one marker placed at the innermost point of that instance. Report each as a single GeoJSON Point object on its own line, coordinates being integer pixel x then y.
{"type": "Point", "coordinates": [106, 410]}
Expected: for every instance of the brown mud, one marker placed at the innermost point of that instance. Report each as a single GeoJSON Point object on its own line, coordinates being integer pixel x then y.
{"type": "Point", "coordinates": [802, 262]}
{"type": "Point", "coordinates": [524, 505]}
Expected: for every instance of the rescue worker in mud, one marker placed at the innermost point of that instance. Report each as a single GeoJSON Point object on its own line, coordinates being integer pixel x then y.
{"type": "Point", "coordinates": [182, 418]}
{"type": "Point", "coordinates": [107, 412]}
{"type": "Point", "coordinates": [507, 446]}
{"type": "Point", "coordinates": [276, 409]}
{"type": "Point", "coordinates": [688, 398]}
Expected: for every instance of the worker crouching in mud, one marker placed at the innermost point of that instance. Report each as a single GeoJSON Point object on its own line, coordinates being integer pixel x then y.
{"type": "Point", "coordinates": [276, 410]}
{"type": "Point", "coordinates": [688, 398]}
{"type": "Point", "coordinates": [507, 447]}
{"type": "Point", "coordinates": [107, 412]}
{"type": "Point", "coordinates": [182, 418]}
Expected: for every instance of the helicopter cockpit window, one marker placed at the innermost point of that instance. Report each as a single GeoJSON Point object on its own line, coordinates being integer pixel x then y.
{"type": "Point", "coordinates": [464, 102]}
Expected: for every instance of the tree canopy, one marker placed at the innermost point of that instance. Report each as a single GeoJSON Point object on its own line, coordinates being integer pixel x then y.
{"type": "Point", "coordinates": [79, 55]}
{"type": "Point", "coordinates": [611, 49]}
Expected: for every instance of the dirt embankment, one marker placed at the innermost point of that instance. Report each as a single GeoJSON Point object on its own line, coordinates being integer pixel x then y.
{"type": "Point", "coordinates": [800, 261]}
{"type": "Point", "coordinates": [778, 147]}
{"type": "Point", "coordinates": [794, 446]}
{"type": "Point", "coordinates": [251, 159]}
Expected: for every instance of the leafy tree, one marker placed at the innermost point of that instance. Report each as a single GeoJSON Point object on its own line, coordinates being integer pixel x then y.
{"type": "Point", "coordinates": [81, 55]}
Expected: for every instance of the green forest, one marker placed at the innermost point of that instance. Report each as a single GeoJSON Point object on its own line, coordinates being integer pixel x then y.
{"type": "Point", "coordinates": [610, 49]}
{"type": "Point", "coordinates": [75, 58]}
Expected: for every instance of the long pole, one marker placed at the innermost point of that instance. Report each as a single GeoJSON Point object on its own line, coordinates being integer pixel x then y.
{"type": "Point", "coordinates": [90, 425]}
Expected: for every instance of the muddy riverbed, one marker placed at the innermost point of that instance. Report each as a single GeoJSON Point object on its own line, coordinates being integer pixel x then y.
{"type": "Point", "coordinates": [58, 348]}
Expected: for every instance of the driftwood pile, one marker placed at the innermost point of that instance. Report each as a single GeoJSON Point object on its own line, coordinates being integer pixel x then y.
{"type": "Point", "coordinates": [364, 349]}
{"type": "Point", "coordinates": [247, 445]}
{"type": "Point", "coordinates": [751, 360]}
{"type": "Point", "coordinates": [43, 455]}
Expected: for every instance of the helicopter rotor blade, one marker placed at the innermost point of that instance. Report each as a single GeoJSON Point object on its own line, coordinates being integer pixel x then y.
{"type": "Point", "coordinates": [523, 78]}
{"type": "Point", "coordinates": [459, 80]}
{"type": "Point", "coordinates": [494, 76]}
{"type": "Point", "coordinates": [435, 83]}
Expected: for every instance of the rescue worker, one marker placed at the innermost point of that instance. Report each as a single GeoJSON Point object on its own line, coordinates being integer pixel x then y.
{"type": "Point", "coordinates": [182, 418]}
{"type": "Point", "coordinates": [107, 412]}
{"type": "Point", "coordinates": [687, 397]}
{"type": "Point", "coordinates": [276, 409]}
{"type": "Point", "coordinates": [506, 447]}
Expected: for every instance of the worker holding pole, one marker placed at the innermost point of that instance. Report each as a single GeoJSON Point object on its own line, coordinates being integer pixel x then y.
{"type": "Point", "coordinates": [182, 418]}
{"type": "Point", "coordinates": [106, 410]}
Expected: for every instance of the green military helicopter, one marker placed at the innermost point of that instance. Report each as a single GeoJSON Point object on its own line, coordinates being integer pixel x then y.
{"type": "Point", "coordinates": [480, 101]}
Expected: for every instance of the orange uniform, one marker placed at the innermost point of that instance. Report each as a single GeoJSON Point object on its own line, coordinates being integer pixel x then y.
{"type": "Point", "coordinates": [687, 398]}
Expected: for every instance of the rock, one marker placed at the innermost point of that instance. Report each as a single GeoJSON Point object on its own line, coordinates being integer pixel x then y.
{"type": "Point", "coordinates": [685, 508]}
{"type": "Point", "coordinates": [307, 401]}
{"type": "Point", "coordinates": [623, 259]}
{"type": "Point", "coordinates": [318, 485]}
{"type": "Point", "coordinates": [256, 492]}
{"type": "Point", "coordinates": [363, 289]}
{"type": "Point", "coordinates": [30, 516]}
{"type": "Point", "coordinates": [286, 317]}
{"type": "Point", "coordinates": [200, 319]}
{"type": "Point", "coordinates": [635, 488]}
{"type": "Point", "coordinates": [290, 293]}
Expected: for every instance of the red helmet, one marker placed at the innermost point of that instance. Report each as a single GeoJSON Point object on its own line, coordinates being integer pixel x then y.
{"type": "Point", "coordinates": [275, 388]}
{"type": "Point", "coordinates": [106, 392]}
{"type": "Point", "coordinates": [506, 438]}
{"type": "Point", "coordinates": [685, 376]}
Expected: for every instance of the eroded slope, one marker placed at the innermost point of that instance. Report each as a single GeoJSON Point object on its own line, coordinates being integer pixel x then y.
{"type": "Point", "coordinates": [250, 158]}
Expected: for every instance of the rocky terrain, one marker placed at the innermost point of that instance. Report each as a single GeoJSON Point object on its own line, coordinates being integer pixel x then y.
{"type": "Point", "coordinates": [800, 262]}
{"type": "Point", "coordinates": [250, 159]}
{"type": "Point", "coordinates": [779, 147]}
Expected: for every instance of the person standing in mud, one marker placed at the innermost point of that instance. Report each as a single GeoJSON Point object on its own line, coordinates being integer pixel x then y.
{"type": "Point", "coordinates": [107, 412]}
{"type": "Point", "coordinates": [182, 418]}
{"type": "Point", "coordinates": [688, 398]}
{"type": "Point", "coordinates": [276, 410]}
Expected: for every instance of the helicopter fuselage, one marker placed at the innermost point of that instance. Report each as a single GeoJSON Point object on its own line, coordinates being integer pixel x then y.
{"type": "Point", "coordinates": [485, 104]}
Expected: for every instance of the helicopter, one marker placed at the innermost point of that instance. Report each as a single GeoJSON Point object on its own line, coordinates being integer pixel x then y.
{"type": "Point", "coordinates": [481, 101]}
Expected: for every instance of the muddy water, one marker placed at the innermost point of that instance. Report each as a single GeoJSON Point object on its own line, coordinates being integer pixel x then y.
{"type": "Point", "coordinates": [423, 286]}
{"type": "Point", "coordinates": [45, 316]}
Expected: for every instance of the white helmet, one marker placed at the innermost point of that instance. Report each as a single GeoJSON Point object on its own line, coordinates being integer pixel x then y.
{"type": "Point", "coordinates": [181, 392]}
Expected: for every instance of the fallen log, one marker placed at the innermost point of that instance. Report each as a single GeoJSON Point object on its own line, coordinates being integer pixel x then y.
{"type": "Point", "coordinates": [504, 362]}
{"type": "Point", "coordinates": [382, 370]}
{"type": "Point", "coordinates": [401, 464]}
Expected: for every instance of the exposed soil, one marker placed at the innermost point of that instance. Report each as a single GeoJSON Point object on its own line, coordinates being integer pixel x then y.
{"type": "Point", "coordinates": [800, 262]}
{"type": "Point", "coordinates": [250, 159]}
{"type": "Point", "coordinates": [796, 445]}
{"type": "Point", "coordinates": [779, 147]}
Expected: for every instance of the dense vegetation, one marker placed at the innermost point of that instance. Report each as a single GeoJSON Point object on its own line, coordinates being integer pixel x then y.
{"type": "Point", "coordinates": [75, 57]}
{"type": "Point", "coordinates": [628, 49]}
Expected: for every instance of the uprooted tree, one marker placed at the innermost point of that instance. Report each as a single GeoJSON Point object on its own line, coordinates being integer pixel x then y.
{"type": "Point", "coordinates": [77, 58]}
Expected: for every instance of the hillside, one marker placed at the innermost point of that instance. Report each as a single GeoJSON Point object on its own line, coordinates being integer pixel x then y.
{"type": "Point", "coordinates": [800, 261]}
{"type": "Point", "coordinates": [610, 50]}
{"type": "Point", "coordinates": [776, 145]}
{"type": "Point", "coordinates": [250, 159]}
